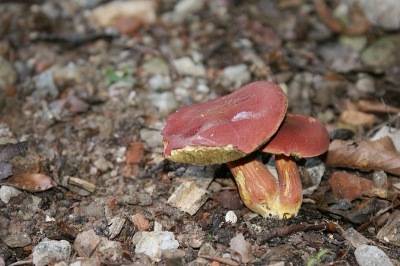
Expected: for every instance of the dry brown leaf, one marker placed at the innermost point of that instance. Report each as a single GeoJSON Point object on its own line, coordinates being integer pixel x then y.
{"type": "Point", "coordinates": [31, 182]}
{"type": "Point", "coordinates": [364, 155]}
{"type": "Point", "coordinates": [376, 107]}
{"type": "Point", "coordinates": [357, 118]}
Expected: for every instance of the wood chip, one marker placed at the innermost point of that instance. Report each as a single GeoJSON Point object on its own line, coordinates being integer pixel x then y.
{"type": "Point", "coordinates": [116, 225]}
{"type": "Point", "coordinates": [390, 233]}
{"type": "Point", "coordinates": [141, 223]}
{"type": "Point", "coordinates": [188, 197]}
{"type": "Point", "coordinates": [86, 185]}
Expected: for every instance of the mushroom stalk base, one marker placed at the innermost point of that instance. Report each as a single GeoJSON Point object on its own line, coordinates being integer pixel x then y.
{"type": "Point", "coordinates": [261, 193]}
{"type": "Point", "coordinates": [290, 188]}
{"type": "Point", "coordinates": [257, 186]}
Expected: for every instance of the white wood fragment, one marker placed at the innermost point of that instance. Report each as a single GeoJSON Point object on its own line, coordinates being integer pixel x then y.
{"type": "Point", "coordinates": [390, 233]}
{"type": "Point", "coordinates": [188, 197]}
{"type": "Point", "coordinates": [116, 225]}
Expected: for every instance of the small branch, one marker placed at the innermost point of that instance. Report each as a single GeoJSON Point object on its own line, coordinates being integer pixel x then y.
{"type": "Point", "coordinates": [72, 41]}
{"type": "Point", "coordinates": [278, 232]}
{"type": "Point", "coordinates": [357, 26]}
{"type": "Point", "coordinates": [220, 260]}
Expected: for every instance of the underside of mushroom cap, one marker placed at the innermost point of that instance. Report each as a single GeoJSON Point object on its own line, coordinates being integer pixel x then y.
{"type": "Point", "coordinates": [225, 128]}
{"type": "Point", "coordinates": [300, 136]}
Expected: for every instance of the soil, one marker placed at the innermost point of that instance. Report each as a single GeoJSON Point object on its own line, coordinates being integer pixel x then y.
{"type": "Point", "coordinates": [98, 119]}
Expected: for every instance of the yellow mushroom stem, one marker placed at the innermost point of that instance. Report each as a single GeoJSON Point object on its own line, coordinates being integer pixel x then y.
{"type": "Point", "coordinates": [257, 186]}
{"type": "Point", "coordinates": [290, 188]}
{"type": "Point", "coordinates": [260, 191]}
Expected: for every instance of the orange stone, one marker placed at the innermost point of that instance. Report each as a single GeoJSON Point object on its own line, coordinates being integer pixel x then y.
{"type": "Point", "coordinates": [350, 187]}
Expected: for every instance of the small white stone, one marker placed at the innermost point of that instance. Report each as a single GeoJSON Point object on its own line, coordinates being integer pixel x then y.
{"type": "Point", "coordinates": [6, 193]}
{"type": "Point", "coordinates": [371, 255]}
{"type": "Point", "coordinates": [157, 226]}
{"type": "Point", "coordinates": [165, 102]}
{"type": "Point", "coordinates": [49, 219]}
{"type": "Point", "coordinates": [153, 243]}
{"type": "Point", "coordinates": [181, 93]}
{"type": "Point", "coordinates": [202, 88]}
{"type": "Point", "coordinates": [93, 170]}
{"type": "Point", "coordinates": [51, 250]}
{"type": "Point", "coordinates": [186, 66]}
{"type": "Point", "coordinates": [231, 217]}
{"type": "Point", "coordinates": [188, 6]}
{"type": "Point", "coordinates": [160, 82]}
{"type": "Point", "coordinates": [237, 75]}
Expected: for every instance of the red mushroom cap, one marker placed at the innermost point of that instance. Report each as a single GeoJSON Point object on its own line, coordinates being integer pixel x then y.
{"type": "Point", "coordinates": [299, 135]}
{"type": "Point", "coordinates": [225, 128]}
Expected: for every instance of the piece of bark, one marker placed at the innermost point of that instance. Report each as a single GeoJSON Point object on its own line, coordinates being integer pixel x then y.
{"type": "Point", "coordinates": [390, 233]}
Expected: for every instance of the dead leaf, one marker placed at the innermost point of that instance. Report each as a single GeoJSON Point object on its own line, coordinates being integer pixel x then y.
{"type": "Point", "coordinates": [357, 118]}
{"type": "Point", "coordinates": [376, 107]}
{"type": "Point", "coordinates": [364, 155]}
{"type": "Point", "coordinates": [241, 249]}
{"type": "Point", "coordinates": [31, 182]}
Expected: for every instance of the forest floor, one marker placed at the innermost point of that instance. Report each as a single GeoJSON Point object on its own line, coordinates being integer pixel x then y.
{"type": "Point", "coordinates": [85, 90]}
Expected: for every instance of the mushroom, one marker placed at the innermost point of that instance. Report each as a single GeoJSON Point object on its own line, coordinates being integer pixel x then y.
{"type": "Point", "coordinates": [302, 137]}
{"type": "Point", "coordinates": [226, 130]}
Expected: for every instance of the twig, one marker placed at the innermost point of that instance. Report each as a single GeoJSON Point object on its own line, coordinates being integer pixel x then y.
{"type": "Point", "coordinates": [358, 24]}
{"type": "Point", "coordinates": [72, 41]}
{"type": "Point", "coordinates": [221, 260]}
{"type": "Point", "coordinates": [277, 232]}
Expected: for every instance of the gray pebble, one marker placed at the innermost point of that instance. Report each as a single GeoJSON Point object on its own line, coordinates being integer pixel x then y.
{"type": "Point", "coordinates": [371, 256]}
{"type": "Point", "coordinates": [49, 251]}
